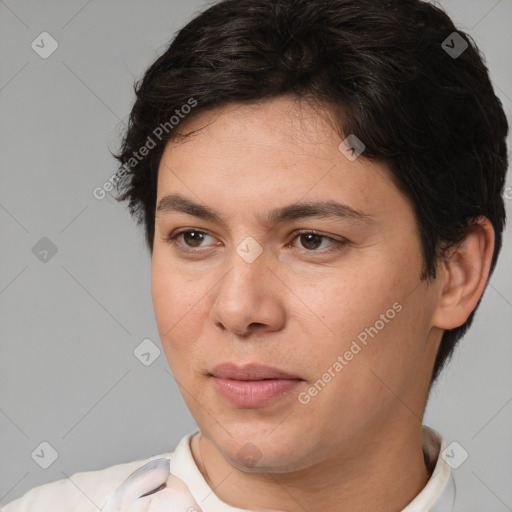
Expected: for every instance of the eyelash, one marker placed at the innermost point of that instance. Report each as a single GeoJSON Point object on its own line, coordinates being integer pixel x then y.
{"type": "Point", "coordinates": [336, 244]}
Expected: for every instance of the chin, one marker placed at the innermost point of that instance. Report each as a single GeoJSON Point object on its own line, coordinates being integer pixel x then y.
{"type": "Point", "coordinates": [264, 448]}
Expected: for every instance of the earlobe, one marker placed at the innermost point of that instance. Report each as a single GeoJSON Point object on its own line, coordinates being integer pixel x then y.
{"type": "Point", "coordinates": [464, 273]}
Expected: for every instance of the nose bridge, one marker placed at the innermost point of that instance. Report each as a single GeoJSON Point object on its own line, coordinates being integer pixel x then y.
{"type": "Point", "coordinates": [245, 295]}
{"type": "Point", "coordinates": [246, 280]}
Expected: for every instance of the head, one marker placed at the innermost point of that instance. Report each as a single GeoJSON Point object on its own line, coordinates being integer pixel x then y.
{"type": "Point", "coordinates": [243, 115]}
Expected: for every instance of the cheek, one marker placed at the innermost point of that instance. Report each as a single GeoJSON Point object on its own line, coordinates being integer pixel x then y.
{"type": "Point", "coordinates": [178, 302]}
{"type": "Point", "coordinates": [380, 360]}
{"type": "Point", "coordinates": [375, 320]}
{"type": "Point", "coordinates": [346, 303]}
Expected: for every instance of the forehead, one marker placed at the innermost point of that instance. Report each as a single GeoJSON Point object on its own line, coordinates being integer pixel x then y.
{"type": "Point", "coordinates": [284, 123]}
{"type": "Point", "coordinates": [269, 153]}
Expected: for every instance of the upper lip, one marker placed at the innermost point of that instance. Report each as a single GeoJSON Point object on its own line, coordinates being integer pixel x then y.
{"type": "Point", "coordinates": [250, 371]}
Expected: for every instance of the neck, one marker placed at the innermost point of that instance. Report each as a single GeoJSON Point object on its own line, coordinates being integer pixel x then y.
{"type": "Point", "coordinates": [386, 475]}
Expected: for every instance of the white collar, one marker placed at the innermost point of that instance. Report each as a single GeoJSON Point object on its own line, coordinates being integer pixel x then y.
{"type": "Point", "coordinates": [438, 495]}
{"type": "Point", "coordinates": [184, 466]}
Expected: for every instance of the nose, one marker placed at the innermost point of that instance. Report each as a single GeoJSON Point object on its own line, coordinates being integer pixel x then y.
{"type": "Point", "coordinates": [249, 298]}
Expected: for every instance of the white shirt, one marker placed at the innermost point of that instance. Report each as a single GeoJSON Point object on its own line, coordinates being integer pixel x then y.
{"type": "Point", "coordinates": [90, 491]}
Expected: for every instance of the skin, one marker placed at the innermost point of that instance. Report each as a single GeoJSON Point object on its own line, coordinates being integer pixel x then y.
{"type": "Point", "coordinates": [298, 306]}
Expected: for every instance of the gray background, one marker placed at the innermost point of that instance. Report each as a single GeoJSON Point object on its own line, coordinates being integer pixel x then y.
{"type": "Point", "coordinates": [70, 324]}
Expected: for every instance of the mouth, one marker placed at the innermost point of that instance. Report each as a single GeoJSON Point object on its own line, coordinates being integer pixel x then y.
{"type": "Point", "coordinates": [252, 385]}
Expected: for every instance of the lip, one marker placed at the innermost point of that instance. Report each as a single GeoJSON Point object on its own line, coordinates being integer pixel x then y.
{"type": "Point", "coordinates": [252, 385]}
{"type": "Point", "coordinates": [250, 371]}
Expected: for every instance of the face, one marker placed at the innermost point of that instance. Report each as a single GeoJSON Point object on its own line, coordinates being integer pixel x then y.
{"type": "Point", "coordinates": [286, 288]}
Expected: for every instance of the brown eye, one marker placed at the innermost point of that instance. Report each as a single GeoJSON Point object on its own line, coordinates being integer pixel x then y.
{"type": "Point", "coordinates": [311, 241]}
{"type": "Point", "coordinates": [193, 238]}
{"type": "Point", "coordinates": [189, 238]}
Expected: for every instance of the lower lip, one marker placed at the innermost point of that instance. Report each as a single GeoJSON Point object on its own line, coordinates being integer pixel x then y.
{"type": "Point", "coordinates": [253, 393]}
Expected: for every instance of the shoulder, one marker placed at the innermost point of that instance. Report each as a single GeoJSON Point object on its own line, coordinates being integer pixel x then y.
{"type": "Point", "coordinates": [81, 492]}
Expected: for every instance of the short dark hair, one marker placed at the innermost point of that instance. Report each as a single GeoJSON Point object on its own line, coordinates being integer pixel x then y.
{"type": "Point", "coordinates": [383, 69]}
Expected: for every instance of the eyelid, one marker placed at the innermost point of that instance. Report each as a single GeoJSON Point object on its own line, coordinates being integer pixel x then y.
{"type": "Point", "coordinates": [334, 238]}
{"type": "Point", "coordinates": [177, 233]}
{"type": "Point", "coordinates": [337, 242]}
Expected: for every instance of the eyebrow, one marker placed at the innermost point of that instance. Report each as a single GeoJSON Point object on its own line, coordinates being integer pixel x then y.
{"type": "Point", "coordinates": [176, 203]}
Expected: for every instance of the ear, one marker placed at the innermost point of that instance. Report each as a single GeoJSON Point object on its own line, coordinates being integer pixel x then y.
{"type": "Point", "coordinates": [463, 275]}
